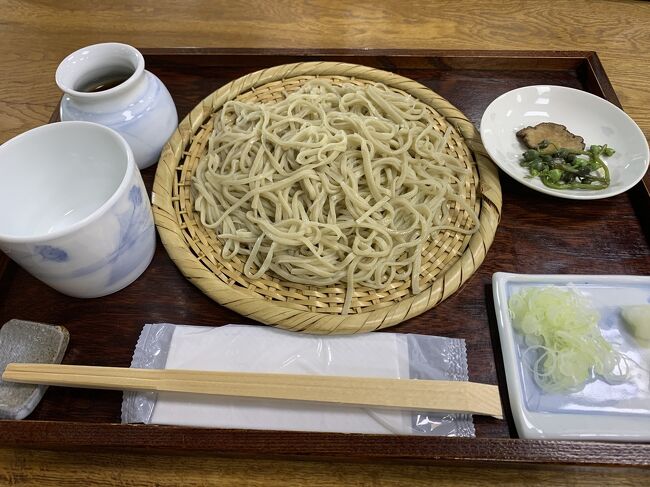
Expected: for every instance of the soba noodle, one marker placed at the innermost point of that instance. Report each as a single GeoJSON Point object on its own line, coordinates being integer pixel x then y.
{"type": "Point", "coordinates": [331, 186]}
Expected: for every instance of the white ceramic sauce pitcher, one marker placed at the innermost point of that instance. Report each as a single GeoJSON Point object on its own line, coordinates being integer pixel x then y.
{"type": "Point", "coordinates": [107, 84]}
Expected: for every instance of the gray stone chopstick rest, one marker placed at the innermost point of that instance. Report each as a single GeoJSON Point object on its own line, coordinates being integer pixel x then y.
{"type": "Point", "coordinates": [27, 342]}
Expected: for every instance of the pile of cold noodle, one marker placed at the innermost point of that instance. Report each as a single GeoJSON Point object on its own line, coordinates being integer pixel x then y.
{"type": "Point", "coordinates": [334, 185]}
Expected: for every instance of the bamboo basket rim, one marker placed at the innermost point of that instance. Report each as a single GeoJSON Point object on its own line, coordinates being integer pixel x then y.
{"type": "Point", "coordinates": [190, 247]}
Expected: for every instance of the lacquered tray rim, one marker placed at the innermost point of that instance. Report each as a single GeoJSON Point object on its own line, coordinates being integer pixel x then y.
{"type": "Point", "coordinates": [74, 435]}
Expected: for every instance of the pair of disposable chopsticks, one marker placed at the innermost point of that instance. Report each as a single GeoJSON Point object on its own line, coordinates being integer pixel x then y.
{"type": "Point", "coordinates": [408, 394]}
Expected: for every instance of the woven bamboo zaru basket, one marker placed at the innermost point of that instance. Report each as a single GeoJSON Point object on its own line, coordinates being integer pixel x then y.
{"type": "Point", "coordinates": [447, 262]}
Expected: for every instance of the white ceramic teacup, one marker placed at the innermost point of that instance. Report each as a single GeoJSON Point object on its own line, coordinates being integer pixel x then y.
{"type": "Point", "coordinates": [74, 210]}
{"type": "Point", "coordinates": [108, 84]}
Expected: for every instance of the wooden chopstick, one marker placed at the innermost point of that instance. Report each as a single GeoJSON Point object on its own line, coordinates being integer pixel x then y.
{"type": "Point", "coordinates": [423, 395]}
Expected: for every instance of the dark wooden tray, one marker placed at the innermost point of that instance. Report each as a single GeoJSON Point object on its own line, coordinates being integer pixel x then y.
{"type": "Point", "coordinates": [538, 234]}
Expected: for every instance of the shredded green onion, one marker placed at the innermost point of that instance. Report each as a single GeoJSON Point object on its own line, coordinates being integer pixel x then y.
{"type": "Point", "coordinates": [560, 329]}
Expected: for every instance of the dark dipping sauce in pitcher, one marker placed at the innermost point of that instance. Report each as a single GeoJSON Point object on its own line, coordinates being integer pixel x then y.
{"type": "Point", "coordinates": [105, 82]}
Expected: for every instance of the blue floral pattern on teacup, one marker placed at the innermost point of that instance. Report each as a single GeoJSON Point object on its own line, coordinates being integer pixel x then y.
{"type": "Point", "coordinates": [132, 225]}
{"type": "Point", "coordinates": [48, 252]}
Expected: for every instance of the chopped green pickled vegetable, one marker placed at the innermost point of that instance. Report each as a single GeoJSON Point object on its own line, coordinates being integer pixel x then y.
{"type": "Point", "coordinates": [569, 169]}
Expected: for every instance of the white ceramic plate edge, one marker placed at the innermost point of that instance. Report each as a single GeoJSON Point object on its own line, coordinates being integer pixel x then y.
{"type": "Point", "coordinates": [547, 425]}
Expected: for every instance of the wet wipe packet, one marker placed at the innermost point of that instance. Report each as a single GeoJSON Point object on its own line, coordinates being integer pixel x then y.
{"type": "Point", "coordinates": [246, 348]}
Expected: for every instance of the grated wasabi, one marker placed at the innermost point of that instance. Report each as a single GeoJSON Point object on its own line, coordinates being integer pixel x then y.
{"type": "Point", "coordinates": [560, 329]}
{"type": "Point", "coordinates": [637, 318]}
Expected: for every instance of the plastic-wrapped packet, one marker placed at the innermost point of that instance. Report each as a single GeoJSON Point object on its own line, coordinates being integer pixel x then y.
{"type": "Point", "coordinates": [244, 348]}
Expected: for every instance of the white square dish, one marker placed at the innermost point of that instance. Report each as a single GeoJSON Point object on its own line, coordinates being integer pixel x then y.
{"type": "Point", "coordinates": [600, 411]}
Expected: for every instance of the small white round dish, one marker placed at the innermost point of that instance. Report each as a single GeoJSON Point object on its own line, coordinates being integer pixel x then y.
{"type": "Point", "coordinates": [596, 120]}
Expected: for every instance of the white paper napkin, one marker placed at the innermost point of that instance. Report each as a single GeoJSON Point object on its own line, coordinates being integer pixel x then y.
{"type": "Point", "coordinates": [262, 349]}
